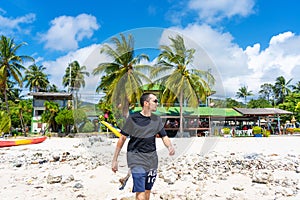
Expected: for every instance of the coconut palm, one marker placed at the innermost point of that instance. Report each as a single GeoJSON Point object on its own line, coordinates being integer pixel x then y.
{"type": "Point", "coordinates": [51, 109]}
{"type": "Point", "coordinates": [296, 87]}
{"type": "Point", "coordinates": [244, 93]}
{"type": "Point", "coordinates": [281, 88]}
{"type": "Point", "coordinates": [19, 110]}
{"type": "Point", "coordinates": [36, 79]}
{"type": "Point", "coordinates": [10, 64]}
{"type": "Point", "coordinates": [181, 81]}
{"type": "Point", "coordinates": [124, 76]}
{"type": "Point", "coordinates": [74, 78]}
{"type": "Point", "coordinates": [52, 88]}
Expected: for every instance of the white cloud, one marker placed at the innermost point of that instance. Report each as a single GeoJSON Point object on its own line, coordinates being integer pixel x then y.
{"type": "Point", "coordinates": [218, 52]}
{"type": "Point", "coordinates": [88, 56]}
{"type": "Point", "coordinates": [232, 66]}
{"type": "Point", "coordinates": [15, 25]}
{"type": "Point", "coordinates": [214, 11]}
{"type": "Point", "coordinates": [235, 67]}
{"type": "Point", "coordinates": [66, 31]}
{"type": "Point", "coordinates": [280, 58]}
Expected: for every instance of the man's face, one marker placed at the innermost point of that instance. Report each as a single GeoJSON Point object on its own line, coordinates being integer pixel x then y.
{"type": "Point", "coordinates": [152, 103]}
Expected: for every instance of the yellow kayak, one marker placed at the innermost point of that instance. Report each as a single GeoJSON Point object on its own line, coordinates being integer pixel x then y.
{"type": "Point", "coordinates": [111, 128]}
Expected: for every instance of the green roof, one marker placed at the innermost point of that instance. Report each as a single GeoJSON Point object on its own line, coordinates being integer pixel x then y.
{"type": "Point", "coordinates": [200, 111]}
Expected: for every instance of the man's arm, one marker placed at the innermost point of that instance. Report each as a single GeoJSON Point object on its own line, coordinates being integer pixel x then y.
{"type": "Point", "coordinates": [167, 142]}
{"type": "Point", "coordinates": [119, 146]}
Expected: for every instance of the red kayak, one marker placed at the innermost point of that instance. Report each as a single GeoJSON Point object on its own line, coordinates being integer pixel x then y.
{"type": "Point", "coordinates": [23, 141]}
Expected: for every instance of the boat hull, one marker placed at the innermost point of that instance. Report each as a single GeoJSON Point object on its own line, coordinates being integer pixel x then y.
{"type": "Point", "coordinates": [25, 141]}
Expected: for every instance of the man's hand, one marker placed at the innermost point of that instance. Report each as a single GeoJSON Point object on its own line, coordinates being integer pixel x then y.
{"type": "Point", "coordinates": [114, 166]}
{"type": "Point", "coordinates": [171, 150]}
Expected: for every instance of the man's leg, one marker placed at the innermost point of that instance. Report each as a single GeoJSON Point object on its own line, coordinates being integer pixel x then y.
{"type": "Point", "coordinates": [143, 195]}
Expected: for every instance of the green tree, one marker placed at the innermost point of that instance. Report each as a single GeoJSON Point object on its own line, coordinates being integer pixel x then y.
{"type": "Point", "coordinates": [79, 118]}
{"type": "Point", "coordinates": [244, 93]}
{"type": "Point", "coordinates": [36, 79]}
{"type": "Point", "coordinates": [259, 103]}
{"type": "Point", "coordinates": [124, 76]}
{"type": "Point", "coordinates": [266, 91]}
{"type": "Point", "coordinates": [180, 82]}
{"type": "Point", "coordinates": [74, 78]}
{"type": "Point", "coordinates": [290, 104]}
{"type": "Point", "coordinates": [5, 123]}
{"type": "Point", "coordinates": [281, 89]}
{"type": "Point", "coordinates": [49, 115]}
{"type": "Point", "coordinates": [231, 103]}
{"type": "Point", "coordinates": [296, 87]}
{"type": "Point", "coordinates": [10, 64]}
{"type": "Point", "coordinates": [52, 88]}
{"type": "Point", "coordinates": [22, 109]}
{"type": "Point", "coordinates": [65, 117]}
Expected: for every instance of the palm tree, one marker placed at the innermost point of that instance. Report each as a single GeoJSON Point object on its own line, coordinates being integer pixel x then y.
{"type": "Point", "coordinates": [123, 76]}
{"type": "Point", "coordinates": [74, 78]}
{"type": "Point", "coordinates": [266, 90]}
{"type": "Point", "coordinates": [10, 64]}
{"type": "Point", "coordinates": [281, 88]}
{"type": "Point", "coordinates": [36, 79]}
{"type": "Point", "coordinates": [52, 88]}
{"type": "Point", "coordinates": [296, 87]}
{"type": "Point", "coordinates": [180, 82]}
{"type": "Point", "coordinates": [22, 107]}
{"type": "Point", "coordinates": [51, 109]}
{"type": "Point", "coordinates": [244, 93]}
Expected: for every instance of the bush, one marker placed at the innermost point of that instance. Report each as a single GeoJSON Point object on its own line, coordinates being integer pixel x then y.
{"type": "Point", "coordinates": [88, 127]}
{"type": "Point", "coordinates": [226, 130]}
{"type": "Point", "coordinates": [290, 130]}
{"type": "Point", "coordinates": [266, 133]}
{"type": "Point", "coordinates": [257, 130]}
{"type": "Point", "coordinates": [297, 130]}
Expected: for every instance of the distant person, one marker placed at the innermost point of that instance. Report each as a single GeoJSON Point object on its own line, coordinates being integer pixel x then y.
{"type": "Point", "coordinates": [142, 159]}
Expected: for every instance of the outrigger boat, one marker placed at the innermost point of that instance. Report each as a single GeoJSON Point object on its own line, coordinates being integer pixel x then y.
{"type": "Point", "coordinates": [21, 141]}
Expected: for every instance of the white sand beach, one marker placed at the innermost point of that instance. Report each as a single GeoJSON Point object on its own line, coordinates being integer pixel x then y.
{"type": "Point", "coordinates": [203, 168]}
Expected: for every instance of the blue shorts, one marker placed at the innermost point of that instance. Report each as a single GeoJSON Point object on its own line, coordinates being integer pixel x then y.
{"type": "Point", "coordinates": [143, 180]}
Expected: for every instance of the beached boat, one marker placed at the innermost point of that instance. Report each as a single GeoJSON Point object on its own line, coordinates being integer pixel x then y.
{"type": "Point", "coordinates": [21, 141]}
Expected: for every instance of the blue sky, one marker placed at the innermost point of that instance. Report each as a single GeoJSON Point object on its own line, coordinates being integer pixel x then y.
{"type": "Point", "coordinates": [248, 42]}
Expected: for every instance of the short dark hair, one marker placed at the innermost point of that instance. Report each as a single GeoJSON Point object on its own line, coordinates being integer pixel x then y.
{"type": "Point", "coordinates": [145, 97]}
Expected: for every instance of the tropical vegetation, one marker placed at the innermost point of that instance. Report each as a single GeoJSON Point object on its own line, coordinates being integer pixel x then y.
{"type": "Point", "coordinates": [122, 83]}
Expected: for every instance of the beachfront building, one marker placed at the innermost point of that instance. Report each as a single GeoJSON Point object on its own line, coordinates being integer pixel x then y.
{"type": "Point", "coordinates": [39, 98]}
{"type": "Point", "coordinates": [209, 121]}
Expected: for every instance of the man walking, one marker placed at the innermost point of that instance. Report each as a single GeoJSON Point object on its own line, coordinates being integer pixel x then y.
{"type": "Point", "coordinates": [142, 128]}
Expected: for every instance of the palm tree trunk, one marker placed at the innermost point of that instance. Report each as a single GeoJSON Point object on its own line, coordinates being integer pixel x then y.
{"type": "Point", "coordinates": [181, 113]}
{"type": "Point", "coordinates": [6, 102]}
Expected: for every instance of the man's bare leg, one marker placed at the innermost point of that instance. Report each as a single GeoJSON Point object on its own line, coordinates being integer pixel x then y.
{"type": "Point", "coordinates": [143, 195]}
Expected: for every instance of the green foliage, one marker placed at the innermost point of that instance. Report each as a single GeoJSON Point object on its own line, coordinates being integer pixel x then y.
{"type": "Point", "coordinates": [297, 130]}
{"type": "Point", "coordinates": [5, 122]}
{"type": "Point", "coordinates": [291, 104]}
{"type": "Point", "coordinates": [88, 127]}
{"type": "Point", "coordinates": [230, 103]}
{"type": "Point", "coordinates": [259, 103]}
{"type": "Point", "coordinates": [266, 133]}
{"type": "Point", "coordinates": [226, 130]}
{"type": "Point", "coordinates": [65, 118]}
{"type": "Point", "coordinates": [257, 130]}
{"type": "Point", "coordinates": [79, 116]}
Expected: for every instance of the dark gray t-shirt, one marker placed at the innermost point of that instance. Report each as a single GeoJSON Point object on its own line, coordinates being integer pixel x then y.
{"type": "Point", "coordinates": [141, 149]}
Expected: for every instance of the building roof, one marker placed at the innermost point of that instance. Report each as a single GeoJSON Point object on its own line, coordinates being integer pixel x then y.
{"type": "Point", "coordinates": [261, 111]}
{"type": "Point", "coordinates": [51, 95]}
{"type": "Point", "coordinates": [200, 111]}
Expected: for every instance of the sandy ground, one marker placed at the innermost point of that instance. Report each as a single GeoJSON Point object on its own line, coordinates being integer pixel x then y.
{"type": "Point", "coordinates": [84, 169]}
